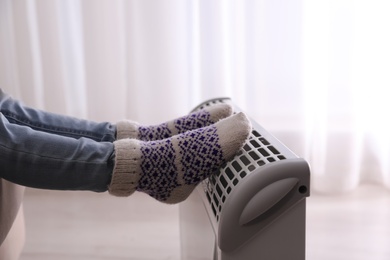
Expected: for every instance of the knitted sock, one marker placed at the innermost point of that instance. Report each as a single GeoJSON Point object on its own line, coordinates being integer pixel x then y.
{"type": "Point", "coordinates": [202, 118]}
{"type": "Point", "coordinates": [169, 169]}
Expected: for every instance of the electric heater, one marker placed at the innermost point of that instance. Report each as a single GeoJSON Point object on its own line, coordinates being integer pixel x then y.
{"type": "Point", "coordinates": [253, 207]}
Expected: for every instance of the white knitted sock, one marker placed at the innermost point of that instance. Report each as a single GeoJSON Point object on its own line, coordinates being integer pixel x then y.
{"type": "Point", "coordinates": [169, 169]}
{"type": "Point", "coordinates": [202, 118]}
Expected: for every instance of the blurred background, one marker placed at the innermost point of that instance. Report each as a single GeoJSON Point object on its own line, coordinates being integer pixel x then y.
{"type": "Point", "coordinates": [315, 73]}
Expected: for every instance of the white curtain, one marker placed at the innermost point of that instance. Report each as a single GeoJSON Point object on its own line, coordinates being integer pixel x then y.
{"type": "Point", "coordinates": [315, 73]}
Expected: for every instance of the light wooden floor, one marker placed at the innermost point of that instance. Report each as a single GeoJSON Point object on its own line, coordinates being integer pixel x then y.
{"type": "Point", "coordinates": [84, 225]}
{"type": "Point", "coordinates": [355, 226]}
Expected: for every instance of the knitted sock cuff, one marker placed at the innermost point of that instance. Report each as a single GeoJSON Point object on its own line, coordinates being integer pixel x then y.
{"type": "Point", "coordinates": [127, 129]}
{"type": "Point", "coordinates": [126, 174]}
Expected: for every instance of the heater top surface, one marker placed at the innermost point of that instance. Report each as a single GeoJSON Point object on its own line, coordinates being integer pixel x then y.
{"type": "Point", "coordinates": [260, 149]}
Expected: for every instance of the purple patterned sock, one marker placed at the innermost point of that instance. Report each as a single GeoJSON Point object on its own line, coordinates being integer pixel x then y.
{"type": "Point", "coordinates": [199, 119]}
{"type": "Point", "coordinates": [169, 169]}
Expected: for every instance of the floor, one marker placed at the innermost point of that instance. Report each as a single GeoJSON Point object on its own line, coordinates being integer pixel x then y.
{"type": "Point", "coordinates": [85, 225]}
{"type": "Point", "coordinates": [354, 226]}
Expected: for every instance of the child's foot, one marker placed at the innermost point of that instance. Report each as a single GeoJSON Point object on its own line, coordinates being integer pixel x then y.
{"type": "Point", "coordinates": [202, 118]}
{"type": "Point", "coordinates": [169, 169]}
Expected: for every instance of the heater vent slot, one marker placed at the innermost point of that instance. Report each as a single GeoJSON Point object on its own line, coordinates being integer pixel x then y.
{"type": "Point", "coordinates": [256, 152]}
{"type": "Point", "coordinates": [211, 103]}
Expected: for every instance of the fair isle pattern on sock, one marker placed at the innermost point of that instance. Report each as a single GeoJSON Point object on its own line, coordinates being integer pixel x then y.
{"type": "Point", "coordinates": [178, 126]}
{"type": "Point", "coordinates": [159, 170]}
{"type": "Point", "coordinates": [206, 116]}
{"type": "Point", "coordinates": [199, 154]}
{"type": "Point", "coordinates": [151, 133]}
{"type": "Point", "coordinates": [169, 169]}
{"type": "Point", "coordinates": [199, 150]}
{"type": "Point", "coordinates": [193, 121]}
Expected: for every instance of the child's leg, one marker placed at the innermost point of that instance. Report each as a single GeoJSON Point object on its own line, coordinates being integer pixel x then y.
{"type": "Point", "coordinates": [50, 161]}
{"type": "Point", "coordinates": [17, 113]}
{"type": "Point", "coordinates": [49, 151]}
{"type": "Point", "coordinates": [167, 169]}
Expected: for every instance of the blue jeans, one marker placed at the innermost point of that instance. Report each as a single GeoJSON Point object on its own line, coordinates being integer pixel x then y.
{"type": "Point", "coordinates": [50, 151]}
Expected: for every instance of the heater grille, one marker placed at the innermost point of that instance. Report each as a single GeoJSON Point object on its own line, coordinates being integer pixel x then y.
{"type": "Point", "coordinates": [262, 190]}
{"type": "Point", "coordinates": [257, 151]}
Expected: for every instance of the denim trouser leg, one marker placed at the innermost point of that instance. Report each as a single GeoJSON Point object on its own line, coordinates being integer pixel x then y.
{"type": "Point", "coordinates": [50, 151]}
